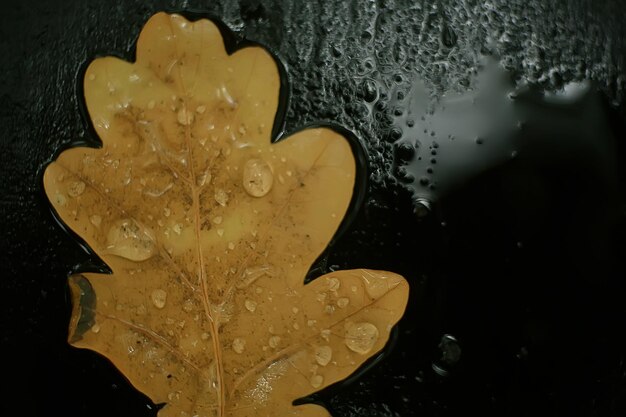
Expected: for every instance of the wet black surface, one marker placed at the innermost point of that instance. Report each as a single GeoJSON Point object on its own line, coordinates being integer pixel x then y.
{"type": "Point", "coordinates": [517, 302]}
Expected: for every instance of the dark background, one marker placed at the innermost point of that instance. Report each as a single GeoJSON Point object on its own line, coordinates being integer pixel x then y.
{"type": "Point", "coordinates": [514, 265]}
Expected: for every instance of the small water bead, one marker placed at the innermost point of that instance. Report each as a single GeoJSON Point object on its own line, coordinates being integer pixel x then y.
{"type": "Point", "coordinates": [188, 306]}
{"type": "Point", "coordinates": [239, 345]}
{"type": "Point", "coordinates": [221, 197]}
{"type": "Point", "coordinates": [95, 328]}
{"type": "Point", "coordinates": [131, 241]}
{"type": "Point", "coordinates": [250, 305]}
{"type": "Point", "coordinates": [361, 337]}
{"type": "Point", "coordinates": [96, 220]}
{"type": "Point", "coordinates": [323, 355]}
{"type": "Point", "coordinates": [343, 302]}
{"type": "Point", "coordinates": [76, 188]}
{"type": "Point", "coordinates": [157, 181]}
{"type": "Point", "coordinates": [376, 285]}
{"type": "Point", "coordinates": [325, 334]}
{"type": "Point", "coordinates": [317, 381]}
{"type": "Point", "coordinates": [185, 117]}
{"type": "Point", "coordinates": [159, 298]}
{"type": "Point", "coordinates": [333, 284]}
{"type": "Point", "coordinates": [274, 341]}
{"type": "Point", "coordinates": [203, 179]}
{"type": "Point", "coordinates": [257, 177]}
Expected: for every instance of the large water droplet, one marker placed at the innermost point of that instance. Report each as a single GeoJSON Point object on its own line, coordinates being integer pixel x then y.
{"type": "Point", "coordinates": [129, 240]}
{"type": "Point", "coordinates": [257, 177]}
{"type": "Point", "coordinates": [361, 337]}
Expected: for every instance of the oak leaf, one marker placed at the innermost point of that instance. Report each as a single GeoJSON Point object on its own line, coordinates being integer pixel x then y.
{"type": "Point", "coordinates": [209, 229]}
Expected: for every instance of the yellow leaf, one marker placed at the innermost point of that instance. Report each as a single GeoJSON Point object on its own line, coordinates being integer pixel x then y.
{"type": "Point", "coordinates": [209, 229]}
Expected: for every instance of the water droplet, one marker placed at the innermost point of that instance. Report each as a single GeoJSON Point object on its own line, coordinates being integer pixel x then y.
{"type": "Point", "coordinates": [450, 350]}
{"type": "Point", "coordinates": [188, 306]}
{"type": "Point", "coordinates": [295, 310]}
{"type": "Point", "coordinates": [323, 355]}
{"type": "Point", "coordinates": [76, 188]}
{"type": "Point", "coordinates": [250, 305]}
{"type": "Point", "coordinates": [95, 220]}
{"type": "Point", "coordinates": [448, 36]}
{"type": "Point", "coordinates": [361, 337]}
{"type": "Point", "coordinates": [325, 334]}
{"type": "Point", "coordinates": [220, 232]}
{"type": "Point", "coordinates": [201, 109]}
{"type": "Point", "coordinates": [185, 117]}
{"type": "Point", "coordinates": [257, 177]}
{"type": "Point", "coordinates": [95, 328]}
{"type": "Point", "coordinates": [221, 197]}
{"type": "Point", "coordinates": [157, 181]}
{"type": "Point", "coordinates": [404, 152]}
{"type": "Point", "coordinates": [333, 284]}
{"type": "Point", "coordinates": [421, 207]}
{"type": "Point", "coordinates": [158, 297]}
{"type": "Point", "coordinates": [369, 90]}
{"type": "Point", "coordinates": [92, 77]}
{"type": "Point", "coordinates": [317, 381]}
{"type": "Point", "coordinates": [129, 240]}
{"type": "Point", "coordinates": [217, 219]}
{"type": "Point", "coordinates": [239, 345]}
{"type": "Point", "coordinates": [231, 245]}
{"type": "Point", "coordinates": [343, 302]}
{"type": "Point", "coordinates": [274, 341]}
{"type": "Point", "coordinates": [203, 179]}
